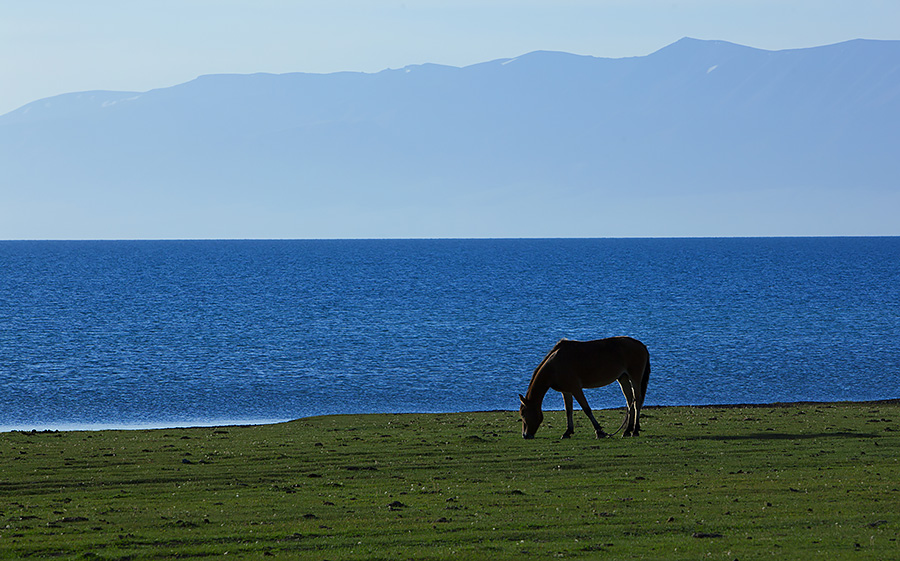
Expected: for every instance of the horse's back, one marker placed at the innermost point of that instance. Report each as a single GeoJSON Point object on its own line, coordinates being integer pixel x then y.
{"type": "Point", "coordinates": [611, 346]}
{"type": "Point", "coordinates": [601, 361]}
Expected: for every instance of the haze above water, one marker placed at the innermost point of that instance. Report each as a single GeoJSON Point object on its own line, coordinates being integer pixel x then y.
{"type": "Point", "coordinates": [701, 138]}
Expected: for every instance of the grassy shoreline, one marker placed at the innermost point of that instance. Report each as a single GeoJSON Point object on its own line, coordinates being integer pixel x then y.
{"type": "Point", "coordinates": [723, 482]}
{"type": "Point", "coordinates": [225, 423]}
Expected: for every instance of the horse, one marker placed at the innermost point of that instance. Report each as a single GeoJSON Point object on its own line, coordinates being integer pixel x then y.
{"type": "Point", "coordinates": [573, 365]}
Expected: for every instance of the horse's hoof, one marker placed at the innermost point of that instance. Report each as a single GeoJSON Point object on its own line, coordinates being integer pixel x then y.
{"type": "Point", "coordinates": [601, 434]}
{"type": "Point", "coordinates": [566, 435]}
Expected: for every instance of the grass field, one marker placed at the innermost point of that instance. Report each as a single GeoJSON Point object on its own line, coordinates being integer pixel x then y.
{"type": "Point", "coordinates": [762, 482]}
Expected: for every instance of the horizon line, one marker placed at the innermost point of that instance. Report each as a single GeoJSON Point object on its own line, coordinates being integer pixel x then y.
{"type": "Point", "coordinates": [451, 238]}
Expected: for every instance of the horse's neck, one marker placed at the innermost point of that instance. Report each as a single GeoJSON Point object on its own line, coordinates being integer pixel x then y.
{"type": "Point", "coordinates": [540, 380]}
{"type": "Point", "coordinates": [538, 387]}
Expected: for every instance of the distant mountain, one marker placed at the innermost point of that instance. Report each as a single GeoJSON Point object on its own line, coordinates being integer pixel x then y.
{"type": "Point", "coordinates": [698, 138]}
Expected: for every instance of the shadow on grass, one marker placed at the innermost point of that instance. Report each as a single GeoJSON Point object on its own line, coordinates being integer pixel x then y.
{"type": "Point", "coordinates": [783, 436]}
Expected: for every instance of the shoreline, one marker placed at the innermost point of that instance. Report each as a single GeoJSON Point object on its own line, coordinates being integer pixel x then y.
{"type": "Point", "coordinates": [97, 427]}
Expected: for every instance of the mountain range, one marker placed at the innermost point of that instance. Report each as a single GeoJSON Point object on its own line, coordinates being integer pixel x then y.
{"type": "Point", "coordinates": [699, 138]}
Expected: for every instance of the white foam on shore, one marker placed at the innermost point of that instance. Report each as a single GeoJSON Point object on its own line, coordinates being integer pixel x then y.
{"type": "Point", "coordinates": [71, 427]}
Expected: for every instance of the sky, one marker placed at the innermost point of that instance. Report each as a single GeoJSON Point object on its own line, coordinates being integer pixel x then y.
{"type": "Point", "coordinates": [50, 47]}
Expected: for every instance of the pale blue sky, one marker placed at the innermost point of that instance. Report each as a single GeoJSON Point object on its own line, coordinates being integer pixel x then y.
{"type": "Point", "coordinates": [48, 47]}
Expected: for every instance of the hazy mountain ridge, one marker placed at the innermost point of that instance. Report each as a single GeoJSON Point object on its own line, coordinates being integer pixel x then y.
{"type": "Point", "coordinates": [477, 150]}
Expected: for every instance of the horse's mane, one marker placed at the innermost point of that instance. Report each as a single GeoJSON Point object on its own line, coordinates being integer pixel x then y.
{"type": "Point", "coordinates": [543, 362]}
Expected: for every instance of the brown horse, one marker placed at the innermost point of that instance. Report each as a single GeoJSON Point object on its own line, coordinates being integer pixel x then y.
{"type": "Point", "coordinates": [573, 365]}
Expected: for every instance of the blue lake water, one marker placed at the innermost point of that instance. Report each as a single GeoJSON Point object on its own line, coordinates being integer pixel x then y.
{"type": "Point", "coordinates": [170, 333]}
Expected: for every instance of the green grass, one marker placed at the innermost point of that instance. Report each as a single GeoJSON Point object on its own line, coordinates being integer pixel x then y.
{"type": "Point", "coordinates": [807, 480]}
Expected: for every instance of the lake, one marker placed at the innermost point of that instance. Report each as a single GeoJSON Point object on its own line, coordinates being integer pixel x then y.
{"type": "Point", "coordinates": [172, 333]}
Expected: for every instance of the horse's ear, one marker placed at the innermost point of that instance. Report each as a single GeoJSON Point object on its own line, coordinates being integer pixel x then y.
{"type": "Point", "coordinates": [522, 399]}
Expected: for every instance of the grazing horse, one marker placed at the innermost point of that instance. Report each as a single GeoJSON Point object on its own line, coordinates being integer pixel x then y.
{"type": "Point", "coordinates": [573, 365]}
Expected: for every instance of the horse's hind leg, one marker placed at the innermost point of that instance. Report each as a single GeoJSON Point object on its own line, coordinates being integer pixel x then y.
{"type": "Point", "coordinates": [570, 420]}
{"type": "Point", "coordinates": [631, 426]}
{"type": "Point", "coordinates": [579, 395]}
{"type": "Point", "coordinates": [639, 387]}
{"type": "Point", "coordinates": [639, 394]}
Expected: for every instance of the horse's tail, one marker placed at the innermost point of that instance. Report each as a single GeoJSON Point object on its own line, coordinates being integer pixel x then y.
{"type": "Point", "coordinates": [622, 426]}
{"type": "Point", "coordinates": [645, 380]}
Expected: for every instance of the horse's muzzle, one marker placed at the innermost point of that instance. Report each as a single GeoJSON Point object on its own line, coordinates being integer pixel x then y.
{"type": "Point", "coordinates": [527, 436]}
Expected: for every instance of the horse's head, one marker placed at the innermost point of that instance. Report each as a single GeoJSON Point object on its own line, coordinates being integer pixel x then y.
{"type": "Point", "coordinates": [532, 416]}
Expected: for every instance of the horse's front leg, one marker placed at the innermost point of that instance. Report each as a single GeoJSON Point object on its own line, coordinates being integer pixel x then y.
{"type": "Point", "coordinates": [570, 420]}
{"type": "Point", "coordinates": [579, 395]}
